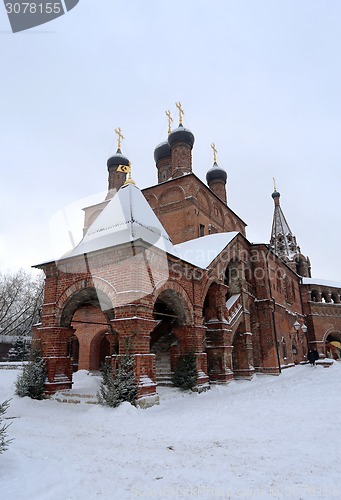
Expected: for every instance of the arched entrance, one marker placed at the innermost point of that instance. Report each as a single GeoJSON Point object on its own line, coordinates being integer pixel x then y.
{"type": "Point", "coordinates": [233, 278]}
{"type": "Point", "coordinates": [92, 331]}
{"type": "Point", "coordinates": [100, 348]}
{"type": "Point", "coordinates": [170, 313]}
{"type": "Point", "coordinates": [333, 345]}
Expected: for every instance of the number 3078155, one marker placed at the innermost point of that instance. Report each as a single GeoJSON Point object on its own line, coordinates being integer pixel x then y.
{"type": "Point", "coordinates": [33, 8]}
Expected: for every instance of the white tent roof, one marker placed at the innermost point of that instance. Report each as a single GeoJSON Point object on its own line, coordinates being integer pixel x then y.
{"type": "Point", "coordinates": [126, 218]}
{"type": "Point", "coordinates": [129, 217]}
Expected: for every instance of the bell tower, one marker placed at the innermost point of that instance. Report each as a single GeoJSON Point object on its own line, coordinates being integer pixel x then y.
{"type": "Point", "coordinates": [283, 242]}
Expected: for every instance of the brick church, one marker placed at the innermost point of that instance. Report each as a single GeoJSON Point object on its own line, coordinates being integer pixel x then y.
{"type": "Point", "coordinates": [168, 270]}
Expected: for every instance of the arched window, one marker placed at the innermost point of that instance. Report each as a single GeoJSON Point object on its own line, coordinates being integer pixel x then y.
{"type": "Point", "coordinates": [233, 277]}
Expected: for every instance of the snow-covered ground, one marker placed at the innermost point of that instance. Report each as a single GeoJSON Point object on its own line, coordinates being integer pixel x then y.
{"type": "Point", "coordinates": [273, 437]}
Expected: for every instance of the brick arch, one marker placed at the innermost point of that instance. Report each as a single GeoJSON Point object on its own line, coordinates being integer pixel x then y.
{"type": "Point", "coordinates": [89, 322]}
{"type": "Point", "coordinates": [182, 295]}
{"type": "Point", "coordinates": [226, 257]}
{"type": "Point", "coordinates": [332, 331]}
{"type": "Point", "coordinates": [95, 349]}
{"type": "Point", "coordinates": [234, 274]}
{"type": "Point", "coordinates": [203, 200]}
{"type": "Point", "coordinates": [172, 195]}
{"type": "Point", "coordinates": [214, 279]}
{"type": "Point", "coordinates": [335, 297]}
{"type": "Point", "coordinates": [89, 289]}
{"type": "Point", "coordinates": [152, 200]}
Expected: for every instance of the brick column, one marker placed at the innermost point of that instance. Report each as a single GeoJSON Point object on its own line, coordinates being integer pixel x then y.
{"type": "Point", "coordinates": [243, 356]}
{"type": "Point", "coordinates": [219, 351]}
{"type": "Point", "coordinates": [265, 339]}
{"type": "Point", "coordinates": [134, 338]}
{"type": "Point", "coordinates": [53, 343]}
{"type": "Point", "coordinates": [192, 339]}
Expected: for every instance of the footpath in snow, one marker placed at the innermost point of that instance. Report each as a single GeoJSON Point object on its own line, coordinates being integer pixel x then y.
{"type": "Point", "coordinates": [272, 437]}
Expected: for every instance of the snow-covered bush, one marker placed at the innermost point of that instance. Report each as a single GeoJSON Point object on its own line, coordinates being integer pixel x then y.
{"type": "Point", "coordinates": [185, 374]}
{"type": "Point", "coordinates": [3, 441]}
{"type": "Point", "coordinates": [19, 351]}
{"type": "Point", "coordinates": [31, 381]}
{"type": "Point", "coordinates": [122, 386]}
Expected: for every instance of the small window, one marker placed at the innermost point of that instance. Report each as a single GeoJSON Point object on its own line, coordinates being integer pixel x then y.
{"type": "Point", "coordinates": [201, 230]}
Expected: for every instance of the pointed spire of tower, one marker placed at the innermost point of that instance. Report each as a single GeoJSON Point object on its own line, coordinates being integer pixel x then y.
{"type": "Point", "coordinates": [283, 242]}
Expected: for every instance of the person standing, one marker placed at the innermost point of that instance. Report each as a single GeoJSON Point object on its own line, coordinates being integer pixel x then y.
{"type": "Point", "coordinates": [311, 357]}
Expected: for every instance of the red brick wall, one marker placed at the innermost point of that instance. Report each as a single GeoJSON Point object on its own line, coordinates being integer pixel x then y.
{"type": "Point", "coordinates": [184, 203]}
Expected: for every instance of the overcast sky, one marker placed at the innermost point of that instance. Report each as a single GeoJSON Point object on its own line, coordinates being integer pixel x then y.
{"type": "Point", "coordinates": [260, 78]}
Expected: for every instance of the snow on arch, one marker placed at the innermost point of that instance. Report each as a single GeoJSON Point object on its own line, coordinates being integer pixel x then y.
{"type": "Point", "coordinates": [106, 297]}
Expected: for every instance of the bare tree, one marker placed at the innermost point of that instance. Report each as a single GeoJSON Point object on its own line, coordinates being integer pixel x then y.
{"type": "Point", "coordinates": [21, 296]}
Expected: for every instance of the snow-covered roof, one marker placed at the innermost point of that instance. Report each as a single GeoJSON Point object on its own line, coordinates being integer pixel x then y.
{"type": "Point", "coordinates": [202, 251]}
{"type": "Point", "coordinates": [127, 217]}
{"type": "Point", "coordinates": [314, 281]}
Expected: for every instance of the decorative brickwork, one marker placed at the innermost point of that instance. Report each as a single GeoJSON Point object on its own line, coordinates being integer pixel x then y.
{"type": "Point", "coordinates": [242, 312]}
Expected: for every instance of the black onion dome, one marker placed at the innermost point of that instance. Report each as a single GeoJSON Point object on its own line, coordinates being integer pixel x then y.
{"type": "Point", "coordinates": [216, 173]}
{"type": "Point", "coordinates": [162, 151]}
{"type": "Point", "coordinates": [275, 194]}
{"type": "Point", "coordinates": [117, 159]}
{"type": "Point", "coordinates": [181, 134]}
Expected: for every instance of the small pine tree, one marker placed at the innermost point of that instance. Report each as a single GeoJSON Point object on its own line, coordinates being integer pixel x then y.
{"type": "Point", "coordinates": [3, 427]}
{"type": "Point", "coordinates": [19, 351]}
{"type": "Point", "coordinates": [122, 386]}
{"type": "Point", "coordinates": [12, 354]}
{"type": "Point", "coordinates": [31, 381]}
{"type": "Point", "coordinates": [185, 374]}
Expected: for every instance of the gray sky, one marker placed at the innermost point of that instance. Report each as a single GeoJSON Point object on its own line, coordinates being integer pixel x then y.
{"type": "Point", "coordinates": [260, 78]}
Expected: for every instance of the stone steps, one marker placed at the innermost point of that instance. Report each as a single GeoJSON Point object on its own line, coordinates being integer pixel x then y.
{"type": "Point", "coordinates": [164, 380]}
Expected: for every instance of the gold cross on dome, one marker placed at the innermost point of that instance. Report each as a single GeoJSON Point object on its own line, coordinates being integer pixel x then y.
{"type": "Point", "coordinates": [181, 112]}
{"type": "Point", "coordinates": [214, 152]}
{"type": "Point", "coordinates": [170, 119]}
{"type": "Point", "coordinates": [274, 184]}
{"type": "Point", "coordinates": [120, 137]}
